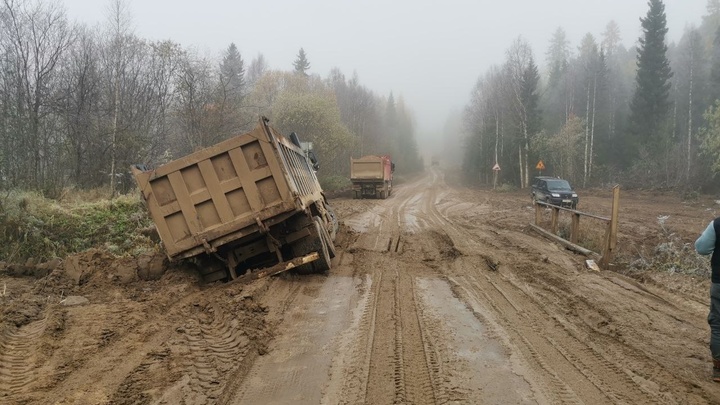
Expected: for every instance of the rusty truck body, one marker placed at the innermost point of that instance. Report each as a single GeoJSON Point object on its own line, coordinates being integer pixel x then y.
{"type": "Point", "coordinates": [250, 202]}
{"type": "Point", "coordinates": [372, 176]}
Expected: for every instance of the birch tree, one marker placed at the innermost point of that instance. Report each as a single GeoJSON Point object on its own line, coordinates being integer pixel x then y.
{"type": "Point", "coordinates": [36, 35]}
{"type": "Point", "coordinates": [119, 30]}
{"type": "Point", "coordinates": [523, 80]}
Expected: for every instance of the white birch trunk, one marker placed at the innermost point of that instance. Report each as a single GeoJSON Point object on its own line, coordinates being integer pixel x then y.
{"type": "Point", "coordinates": [690, 114]}
{"type": "Point", "coordinates": [592, 129]}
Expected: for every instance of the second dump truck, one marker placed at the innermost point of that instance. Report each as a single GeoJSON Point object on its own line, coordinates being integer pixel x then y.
{"type": "Point", "coordinates": [371, 176]}
{"type": "Point", "coordinates": [250, 202]}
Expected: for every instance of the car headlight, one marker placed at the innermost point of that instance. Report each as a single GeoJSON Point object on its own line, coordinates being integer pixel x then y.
{"type": "Point", "coordinates": [556, 195]}
{"type": "Point", "coordinates": [574, 195]}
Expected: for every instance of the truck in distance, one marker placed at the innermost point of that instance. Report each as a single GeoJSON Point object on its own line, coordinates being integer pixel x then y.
{"type": "Point", "coordinates": [372, 175]}
{"type": "Point", "coordinates": [250, 202]}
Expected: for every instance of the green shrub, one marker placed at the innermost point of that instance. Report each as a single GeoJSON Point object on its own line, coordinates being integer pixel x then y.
{"type": "Point", "coordinates": [32, 226]}
{"type": "Point", "coordinates": [334, 183]}
{"type": "Point", "coordinates": [506, 188]}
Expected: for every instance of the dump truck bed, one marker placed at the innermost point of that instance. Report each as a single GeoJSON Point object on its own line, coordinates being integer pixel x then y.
{"type": "Point", "coordinates": [373, 168]}
{"type": "Point", "coordinates": [228, 191]}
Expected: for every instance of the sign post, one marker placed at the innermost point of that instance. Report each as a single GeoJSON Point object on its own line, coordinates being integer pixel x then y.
{"type": "Point", "coordinates": [540, 166]}
{"type": "Point", "coordinates": [496, 170]}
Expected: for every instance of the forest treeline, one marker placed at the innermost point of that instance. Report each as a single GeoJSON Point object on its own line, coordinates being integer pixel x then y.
{"type": "Point", "coordinates": [79, 105]}
{"type": "Point", "coordinates": [598, 113]}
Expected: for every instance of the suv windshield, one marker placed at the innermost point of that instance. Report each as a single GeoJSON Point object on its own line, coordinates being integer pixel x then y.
{"type": "Point", "coordinates": [560, 185]}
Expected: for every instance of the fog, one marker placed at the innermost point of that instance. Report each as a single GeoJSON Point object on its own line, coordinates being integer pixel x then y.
{"type": "Point", "coordinates": [429, 52]}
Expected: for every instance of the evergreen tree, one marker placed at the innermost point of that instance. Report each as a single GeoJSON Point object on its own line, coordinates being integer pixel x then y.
{"type": "Point", "coordinates": [715, 69]}
{"type": "Point", "coordinates": [232, 74]}
{"type": "Point", "coordinates": [611, 38]}
{"type": "Point", "coordinates": [390, 113]}
{"type": "Point", "coordinates": [557, 56]}
{"type": "Point", "coordinates": [650, 102]}
{"type": "Point", "coordinates": [556, 97]}
{"type": "Point", "coordinates": [301, 64]}
{"type": "Point", "coordinates": [529, 93]}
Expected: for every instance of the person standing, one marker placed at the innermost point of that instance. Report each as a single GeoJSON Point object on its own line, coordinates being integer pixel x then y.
{"type": "Point", "coordinates": [709, 243]}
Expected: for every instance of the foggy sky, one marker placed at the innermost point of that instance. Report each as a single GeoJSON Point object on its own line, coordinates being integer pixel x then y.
{"type": "Point", "coordinates": [429, 52]}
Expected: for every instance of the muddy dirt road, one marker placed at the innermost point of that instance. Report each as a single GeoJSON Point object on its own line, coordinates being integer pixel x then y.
{"type": "Point", "coordinates": [437, 295]}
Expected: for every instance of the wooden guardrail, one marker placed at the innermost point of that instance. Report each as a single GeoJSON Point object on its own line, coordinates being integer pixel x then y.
{"type": "Point", "coordinates": [609, 240]}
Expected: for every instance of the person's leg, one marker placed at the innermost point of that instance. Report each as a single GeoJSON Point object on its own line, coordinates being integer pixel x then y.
{"type": "Point", "coordinates": [714, 322]}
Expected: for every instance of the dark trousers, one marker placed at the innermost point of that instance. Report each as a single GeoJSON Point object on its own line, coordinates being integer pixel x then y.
{"type": "Point", "coordinates": [714, 320]}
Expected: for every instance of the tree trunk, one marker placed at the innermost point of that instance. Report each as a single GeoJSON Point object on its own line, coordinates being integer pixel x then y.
{"type": "Point", "coordinates": [113, 145]}
{"type": "Point", "coordinates": [690, 115]}
{"type": "Point", "coordinates": [592, 129]}
{"type": "Point", "coordinates": [520, 163]}
{"type": "Point", "coordinates": [587, 135]}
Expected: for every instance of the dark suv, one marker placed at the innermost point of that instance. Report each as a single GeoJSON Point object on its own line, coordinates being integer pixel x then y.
{"type": "Point", "coordinates": [553, 190]}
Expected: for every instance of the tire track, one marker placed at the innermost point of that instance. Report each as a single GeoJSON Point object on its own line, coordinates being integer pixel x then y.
{"type": "Point", "coordinates": [551, 383]}
{"type": "Point", "coordinates": [18, 348]}
{"type": "Point", "coordinates": [432, 388]}
{"type": "Point", "coordinates": [216, 344]}
{"type": "Point", "coordinates": [612, 375]}
{"type": "Point", "coordinates": [233, 383]}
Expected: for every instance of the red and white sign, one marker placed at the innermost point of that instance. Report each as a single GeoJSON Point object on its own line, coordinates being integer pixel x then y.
{"type": "Point", "coordinates": [496, 167]}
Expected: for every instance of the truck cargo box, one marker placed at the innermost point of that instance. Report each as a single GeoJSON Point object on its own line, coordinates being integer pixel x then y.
{"type": "Point", "coordinates": [372, 175]}
{"type": "Point", "coordinates": [220, 194]}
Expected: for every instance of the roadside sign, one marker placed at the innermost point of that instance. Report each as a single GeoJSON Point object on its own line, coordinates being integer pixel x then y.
{"type": "Point", "coordinates": [496, 167]}
{"type": "Point", "coordinates": [540, 165]}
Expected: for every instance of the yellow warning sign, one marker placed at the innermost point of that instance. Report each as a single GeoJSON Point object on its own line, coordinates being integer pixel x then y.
{"type": "Point", "coordinates": [540, 165]}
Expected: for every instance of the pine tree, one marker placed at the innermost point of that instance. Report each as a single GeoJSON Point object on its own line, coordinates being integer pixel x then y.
{"type": "Point", "coordinates": [531, 126]}
{"type": "Point", "coordinates": [557, 56]}
{"type": "Point", "coordinates": [232, 74]}
{"type": "Point", "coordinates": [650, 102]}
{"type": "Point", "coordinates": [715, 68]}
{"type": "Point", "coordinates": [301, 64]}
{"type": "Point", "coordinates": [530, 84]}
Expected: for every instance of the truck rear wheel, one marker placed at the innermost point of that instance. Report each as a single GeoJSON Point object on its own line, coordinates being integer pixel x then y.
{"type": "Point", "coordinates": [314, 243]}
{"type": "Point", "coordinates": [326, 238]}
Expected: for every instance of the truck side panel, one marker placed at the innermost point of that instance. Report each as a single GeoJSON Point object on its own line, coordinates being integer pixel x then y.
{"type": "Point", "coordinates": [219, 194]}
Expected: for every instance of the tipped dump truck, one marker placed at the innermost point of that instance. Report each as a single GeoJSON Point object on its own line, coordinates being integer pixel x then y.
{"type": "Point", "coordinates": [371, 176]}
{"type": "Point", "coordinates": [250, 202]}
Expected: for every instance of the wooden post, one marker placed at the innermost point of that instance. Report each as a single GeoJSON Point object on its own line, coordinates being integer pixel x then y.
{"type": "Point", "coordinates": [575, 228]}
{"type": "Point", "coordinates": [611, 235]}
{"type": "Point", "coordinates": [554, 223]}
{"type": "Point", "coordinates": [538, 214]}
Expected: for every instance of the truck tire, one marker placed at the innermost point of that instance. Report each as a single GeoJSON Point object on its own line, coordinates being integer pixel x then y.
{"type": "Point", "coordinates": [326, 237]}
{"type": "Point", "coordinates": [334, 226]}
{"type": "Point", "coordinates": [313, 243]}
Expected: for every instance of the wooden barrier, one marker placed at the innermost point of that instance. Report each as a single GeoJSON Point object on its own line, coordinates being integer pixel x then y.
{"type": "Point", "coordinates": [609, 240]}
